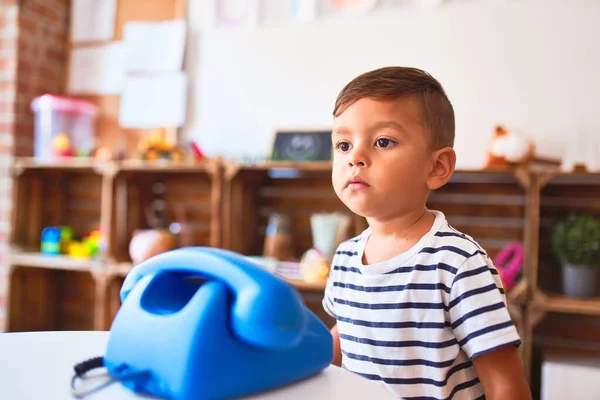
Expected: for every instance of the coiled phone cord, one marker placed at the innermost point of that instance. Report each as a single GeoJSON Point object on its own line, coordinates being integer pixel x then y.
{"type": "Point", "coordinates": [98, 362]}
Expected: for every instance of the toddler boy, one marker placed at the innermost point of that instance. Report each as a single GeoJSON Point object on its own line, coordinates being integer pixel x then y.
{"type": "Point", "coordinates": [418, 305]}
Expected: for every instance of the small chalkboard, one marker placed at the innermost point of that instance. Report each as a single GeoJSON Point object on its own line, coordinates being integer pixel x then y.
{"type": "Point", "coordinates": [302, 145]}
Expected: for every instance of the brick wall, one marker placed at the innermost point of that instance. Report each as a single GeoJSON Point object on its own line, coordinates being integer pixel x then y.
{"type": "Point", "coordinates": [33, 60]}
{"type": "Point", "coordinates": [43, 29]}
{"type": "Point", "coordinates": [9, 22]}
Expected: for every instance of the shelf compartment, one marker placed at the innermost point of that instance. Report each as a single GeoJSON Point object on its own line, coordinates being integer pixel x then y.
{"type": "Point", "coordinates": [42, 299]}
{"type": "Point", "coordinates": [251, 193]}
{"type": "Point", "coordinates": [192, 191]}
{"type": "Point", "coordinates": [561, 194]}
{"type": "Point", "coordinates": [54, 196]}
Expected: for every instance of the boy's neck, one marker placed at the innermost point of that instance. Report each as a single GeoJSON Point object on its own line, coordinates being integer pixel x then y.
{"type": "Point", "coordinates": [402, 226]}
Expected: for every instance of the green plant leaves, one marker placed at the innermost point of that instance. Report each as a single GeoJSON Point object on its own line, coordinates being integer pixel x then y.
{"type": "Point", "coordinates": [576, 240]}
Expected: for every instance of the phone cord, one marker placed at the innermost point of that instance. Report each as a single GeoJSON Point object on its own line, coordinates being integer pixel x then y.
{"type": "Point", "coordinates": [84, 367]}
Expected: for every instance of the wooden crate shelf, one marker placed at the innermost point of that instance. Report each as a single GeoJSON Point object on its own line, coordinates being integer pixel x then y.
{"type": "Point", "coordinates": [88, 195]}
{"type": "Point", "coordinates": [253, 192]}
{"type": "Point", "coordinates": [53, 194]}
{"type": "Point", "coordinates": [228, 205]}
{"type": "Point", "coordinates": [191, 191]}
{"type": "Point", "coordinates": [560, 194]}
{"type": "Point", "coordinates": [41, 299]}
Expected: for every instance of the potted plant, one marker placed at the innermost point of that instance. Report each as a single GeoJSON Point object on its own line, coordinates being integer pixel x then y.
{"type": "Point", "coordinates": [576, 244]}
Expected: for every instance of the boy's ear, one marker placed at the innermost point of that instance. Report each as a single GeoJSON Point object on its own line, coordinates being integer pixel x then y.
{"type": "Point", "coordinates": [443, 164]}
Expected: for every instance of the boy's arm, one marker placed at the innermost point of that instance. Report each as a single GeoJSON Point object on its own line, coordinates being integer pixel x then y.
{"type": "Point", "coordinates": [485, 330]}
{"type": "Point", "coordinates": [337, 351]}
{"type": "Point", "coordinates": [501, 374]}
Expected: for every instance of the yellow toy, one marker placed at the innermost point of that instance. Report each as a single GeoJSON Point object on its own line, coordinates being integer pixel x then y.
{"type": "Point", "coordinates": [61, 146]}
{"type": "Point", "coordinates": [156, 147]}
{"type": "Point", "coordinates": [78, 250]}
{"type": "Point", "coordinates": [88, 247]}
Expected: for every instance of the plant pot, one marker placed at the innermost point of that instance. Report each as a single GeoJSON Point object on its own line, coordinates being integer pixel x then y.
{"type": "Point", "coordinates": [579, 281]}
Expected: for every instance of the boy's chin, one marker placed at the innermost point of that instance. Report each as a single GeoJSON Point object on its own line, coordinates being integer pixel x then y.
{"type": "Point", "coordinates": [360, 208]}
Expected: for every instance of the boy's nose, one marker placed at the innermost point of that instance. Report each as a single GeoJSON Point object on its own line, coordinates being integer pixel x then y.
{"type": "Point", "coordinates": [358, 158]}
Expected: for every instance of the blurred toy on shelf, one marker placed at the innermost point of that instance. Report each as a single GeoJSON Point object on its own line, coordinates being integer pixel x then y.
{"type": "Point", "coordinates": [314, 267]}
{"type": "Point", "coordinates": [62, 146]}
{"type": "Point", "coordinates": [508, 149]}
{"type": "Point", "coordinates": [50, 241]}
{"type": "Point", "coordinates": [146, 243]}
{"type": "Point", "coordinates": [63, 126]}
{"type": "Point", "coordinates": [509, 263]}
{"type": "Point", "coordinates": [196, 151]}
{"type": "Point", "coordinates": [87, 247]}
{"type": "Point", "coordinates": [60, 240]}
{"type": "Point", "coordinates": [157, 146]}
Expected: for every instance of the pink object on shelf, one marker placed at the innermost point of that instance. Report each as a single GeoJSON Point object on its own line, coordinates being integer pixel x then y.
{"type": "Point", "coordinates": [56, 115]}
{"type": "Point", "coordinates": [509, 262]}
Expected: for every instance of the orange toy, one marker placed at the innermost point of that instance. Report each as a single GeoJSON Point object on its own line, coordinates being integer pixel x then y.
{"type": "Point", "coordinates": [509, 149]}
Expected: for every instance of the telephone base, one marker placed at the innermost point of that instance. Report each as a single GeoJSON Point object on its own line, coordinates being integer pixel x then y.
{"type": "Point", "coordinates": [187, 343]}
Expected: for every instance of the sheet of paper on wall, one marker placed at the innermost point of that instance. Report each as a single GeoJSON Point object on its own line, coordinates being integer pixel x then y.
{"type": "Point", "coordinates": [155, 46]}
{"type": "Point", "coordinates": [92, 20]}
{"type": "Point", "coordinates": [419, 3]}
{"type": "Point", "coordinates": [303, 10]}
{"type": "Point", "coordinates": [97, 70]}
{"type": "Point", "coordinates": [277, 11]}
{"type": "Point", "coordinates": [355, 7]}
{"type": "Point", "coordinates": [154, 101]}
{"type": "Point", "coordinates": [237, 13]}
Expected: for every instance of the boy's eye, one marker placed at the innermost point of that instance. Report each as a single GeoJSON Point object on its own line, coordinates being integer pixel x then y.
{"type": "Point", "coordinates": [383, 142]}
{"type": "Point", "coordinates": [343, 146]}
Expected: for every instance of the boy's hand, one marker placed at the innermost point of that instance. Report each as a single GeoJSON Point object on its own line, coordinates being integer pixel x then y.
{"type": "Point", "coordinates": [501, 374]}
{"type": "Point", "coordinates": [337, 352]}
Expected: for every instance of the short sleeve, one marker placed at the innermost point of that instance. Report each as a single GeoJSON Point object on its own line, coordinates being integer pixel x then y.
{"type": "Point", "coordinates": [328, 298]}
{"type": "Point", "coordinates": [478, 312]}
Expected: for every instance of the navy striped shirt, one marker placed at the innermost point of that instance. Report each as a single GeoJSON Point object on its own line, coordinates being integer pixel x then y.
{"type": "Point", "coordinates": [416, 321]}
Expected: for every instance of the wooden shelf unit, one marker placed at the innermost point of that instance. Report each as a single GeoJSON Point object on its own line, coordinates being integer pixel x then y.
{"type": "Point", "coordinates": [559, 194]}
{"type": "Point", "coordinates": [87, 195]}
{"type": "Point", "coordinates": [252, 192]}
{"type": "Point", "coordinates": [188, 191]}
{"type": "Point", "coordinates": [229, 206]}
{"type": "Point", "coordinates": [553, 195]}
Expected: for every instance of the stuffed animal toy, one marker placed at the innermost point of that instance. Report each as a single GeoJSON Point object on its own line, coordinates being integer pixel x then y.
{"type": "Point", "coordinates": [509, 149]}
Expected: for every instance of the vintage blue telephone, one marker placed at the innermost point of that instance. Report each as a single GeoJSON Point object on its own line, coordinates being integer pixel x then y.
{"type": "Point", "coordinates": [242, 331]}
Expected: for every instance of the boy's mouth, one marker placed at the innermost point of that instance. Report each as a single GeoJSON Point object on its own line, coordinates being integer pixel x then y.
{"type": "Point", "coordinates": [356, 183]}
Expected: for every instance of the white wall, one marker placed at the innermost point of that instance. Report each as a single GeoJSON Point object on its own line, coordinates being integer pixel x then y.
{"type": "Point", "coordinates": [533, 65]}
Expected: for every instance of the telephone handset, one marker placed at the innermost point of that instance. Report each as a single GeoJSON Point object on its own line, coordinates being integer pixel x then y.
{"type": "Point", "coordinates": [242, 331]}
{"type": "Point", "coordinates": [265, 311]}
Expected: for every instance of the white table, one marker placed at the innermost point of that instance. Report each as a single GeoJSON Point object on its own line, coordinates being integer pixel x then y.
{"type": "Point", "coordinates": [39, 365]}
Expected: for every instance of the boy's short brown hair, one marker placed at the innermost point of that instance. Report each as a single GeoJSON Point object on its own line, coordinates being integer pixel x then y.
{"type": "Point", "coordinates": [393, 83]}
